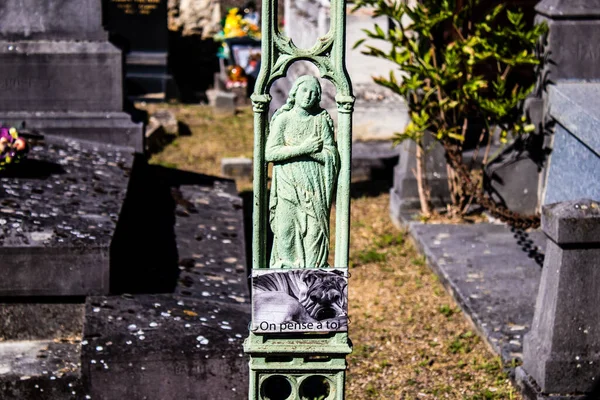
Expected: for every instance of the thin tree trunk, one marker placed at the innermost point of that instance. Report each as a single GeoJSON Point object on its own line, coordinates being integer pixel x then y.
{"type": "Point", "coordinates": [451, 176]}
{"type": "Point", "coordinates": [422, 182]}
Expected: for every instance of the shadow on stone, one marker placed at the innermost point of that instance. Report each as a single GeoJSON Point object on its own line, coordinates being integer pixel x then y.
{"type": "Point", "coordinates": [148, 263]}
{"type": "Point", "coordinates": [33, 169]}
{"type": "Point", "coordinates": [144, 257]}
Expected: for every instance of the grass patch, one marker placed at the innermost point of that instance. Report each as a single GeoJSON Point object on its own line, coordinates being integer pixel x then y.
{"type": "Point", "coordinates": [447, 311]}
{"type": "Point", "coordinates": [370, 256]}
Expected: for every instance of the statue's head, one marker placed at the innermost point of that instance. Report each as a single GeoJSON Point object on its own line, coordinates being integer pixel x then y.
{"type": "Point", "coordinates": [305, 93]}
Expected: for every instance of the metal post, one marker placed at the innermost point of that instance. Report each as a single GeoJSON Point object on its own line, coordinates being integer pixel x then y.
{"type": "Point", "coordinates": [298, 339]}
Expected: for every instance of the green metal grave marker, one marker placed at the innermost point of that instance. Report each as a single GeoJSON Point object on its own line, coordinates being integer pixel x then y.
{"type": "Point", "coordinates": [298, 341]}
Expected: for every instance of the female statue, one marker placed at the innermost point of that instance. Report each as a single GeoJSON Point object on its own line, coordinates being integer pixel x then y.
{"type": "Point", "coordinates": [306, 163]}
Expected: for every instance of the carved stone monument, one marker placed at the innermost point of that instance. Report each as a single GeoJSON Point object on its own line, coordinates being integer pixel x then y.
{"type": "Point", "coordinates": [60, 75]}
{"type": "Point", "coordinates": [296, 290]}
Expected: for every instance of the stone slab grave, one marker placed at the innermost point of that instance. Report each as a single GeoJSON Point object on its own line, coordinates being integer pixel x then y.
{"type": "Point", "coordinates": [183, 285]}
{"type": "Point", "coordinates": [186, 343]}
{"type": "Point", "coordinates": [60, 75]}
{"type": "Point", "coordinates": [492, 272]}
{"type": "Point", "coordinates": [58, 215]}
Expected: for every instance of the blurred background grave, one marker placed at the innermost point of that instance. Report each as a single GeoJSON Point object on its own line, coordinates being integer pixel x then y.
{"type": "Point", "coordinates": [139, 29]}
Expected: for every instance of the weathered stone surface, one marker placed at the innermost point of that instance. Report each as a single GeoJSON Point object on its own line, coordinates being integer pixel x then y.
{"type": "Point", "coordinates": [569, 8]}
{"type": "Point", "coordinates": [480, 264]}
{"type": "Point", "coordinates": [165, 347]}
{"type": "Point", "coordinates": [44, 319]}
{"type": "Point", "coordinates": [168, 120]}
{"type": "Point", "coordinates": [531, 391]}
{"type": "Point", "coordinates": [154, 135]}
{"type": "Point", "coordinates": [180, 236]}
{"type": "Point", "coordinates": [40, 369]}
{"type": "Point", "coordinates": [575, 222]}
{"type": "Point", "coordinates": [570, 54]}
{"type": "Point", "coordinates": [104, 127]}
{"type": "Point", "coordinates": [574, 30]}
{"type": "Point", "coordinates": [58, 73]}
{"type": "Point", "coordinates": [378, 113]}
{"type": "Point", "coordinates": [186, 343]}
{"type": "Point", "coordinates": [574, 106]}
{"type": "Point", "coordinates": [60, 76]}
{"type": "Point", "coordinates": [161, 129]}
{"type": "Point", "coordinates": [66, 88]}
{"type": "Point", "coordinates": [58, 214]}
{"type": "Point", "coordinates": [51, 20]}
{"type": "Point", "coordinates": [224, 102]}
{"type": "Point", "coordinates": [562, 349]}
{"type": "Point", "coordinates": [373, 159]}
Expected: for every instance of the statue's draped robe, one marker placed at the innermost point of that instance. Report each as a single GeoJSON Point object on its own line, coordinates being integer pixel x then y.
{"type": "Point", "coordinates": [301, 191]}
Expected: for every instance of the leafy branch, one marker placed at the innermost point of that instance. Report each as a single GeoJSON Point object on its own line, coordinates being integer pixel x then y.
{"type": "Point", "coordinates": [456, 63]}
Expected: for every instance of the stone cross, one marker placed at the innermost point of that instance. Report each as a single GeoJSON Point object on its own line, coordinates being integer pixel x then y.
{"type": "Point", "coordinates": [298, 339]}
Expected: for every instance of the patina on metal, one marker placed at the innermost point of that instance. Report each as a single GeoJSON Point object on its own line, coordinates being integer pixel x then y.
{"type": "Point", "coordinates": [306, 163]}
{"type": "Point", "coordinates": [311, 172]}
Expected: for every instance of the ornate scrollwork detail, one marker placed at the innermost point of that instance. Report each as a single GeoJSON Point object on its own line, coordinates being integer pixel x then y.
{"type": "Point", "coordinates": [285, 45]}
{"type": "Point", "coordinates": [345, 104]}
{"type": "Point", "coordinates": [260, 102]}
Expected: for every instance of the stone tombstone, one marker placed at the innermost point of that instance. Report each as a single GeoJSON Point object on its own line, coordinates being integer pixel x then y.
{"type": "Point", "coordinates": [572, 54]}
{"type": "Point", "coordinates": [575, 158]}
{"type": "Point", "coordinates": [59, 74]}
{"type": "Point", "coordinates": [51, 20]}
{"type": "Point", "coordinates": [139, 27]}
{"type": "Point", "coordinates": [562, 350]}
{"type": "Point", "coordinates": [404, 195]}
{"type": "Point", "coordinates": [572, 43]}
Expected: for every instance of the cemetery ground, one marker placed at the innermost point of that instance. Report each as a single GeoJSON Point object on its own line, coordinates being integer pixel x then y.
{"type": "Point", "coordinates": [410, 339]}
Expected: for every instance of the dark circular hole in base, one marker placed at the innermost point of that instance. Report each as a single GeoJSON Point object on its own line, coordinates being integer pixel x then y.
{"type": "Point", "coordinates": [276, 387]}
{"type": "Point", "coordinates": [315, 387]}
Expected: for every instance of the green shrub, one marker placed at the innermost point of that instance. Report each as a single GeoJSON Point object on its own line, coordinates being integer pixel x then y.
{"type": "Point", "coordinates": [456, 64]}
